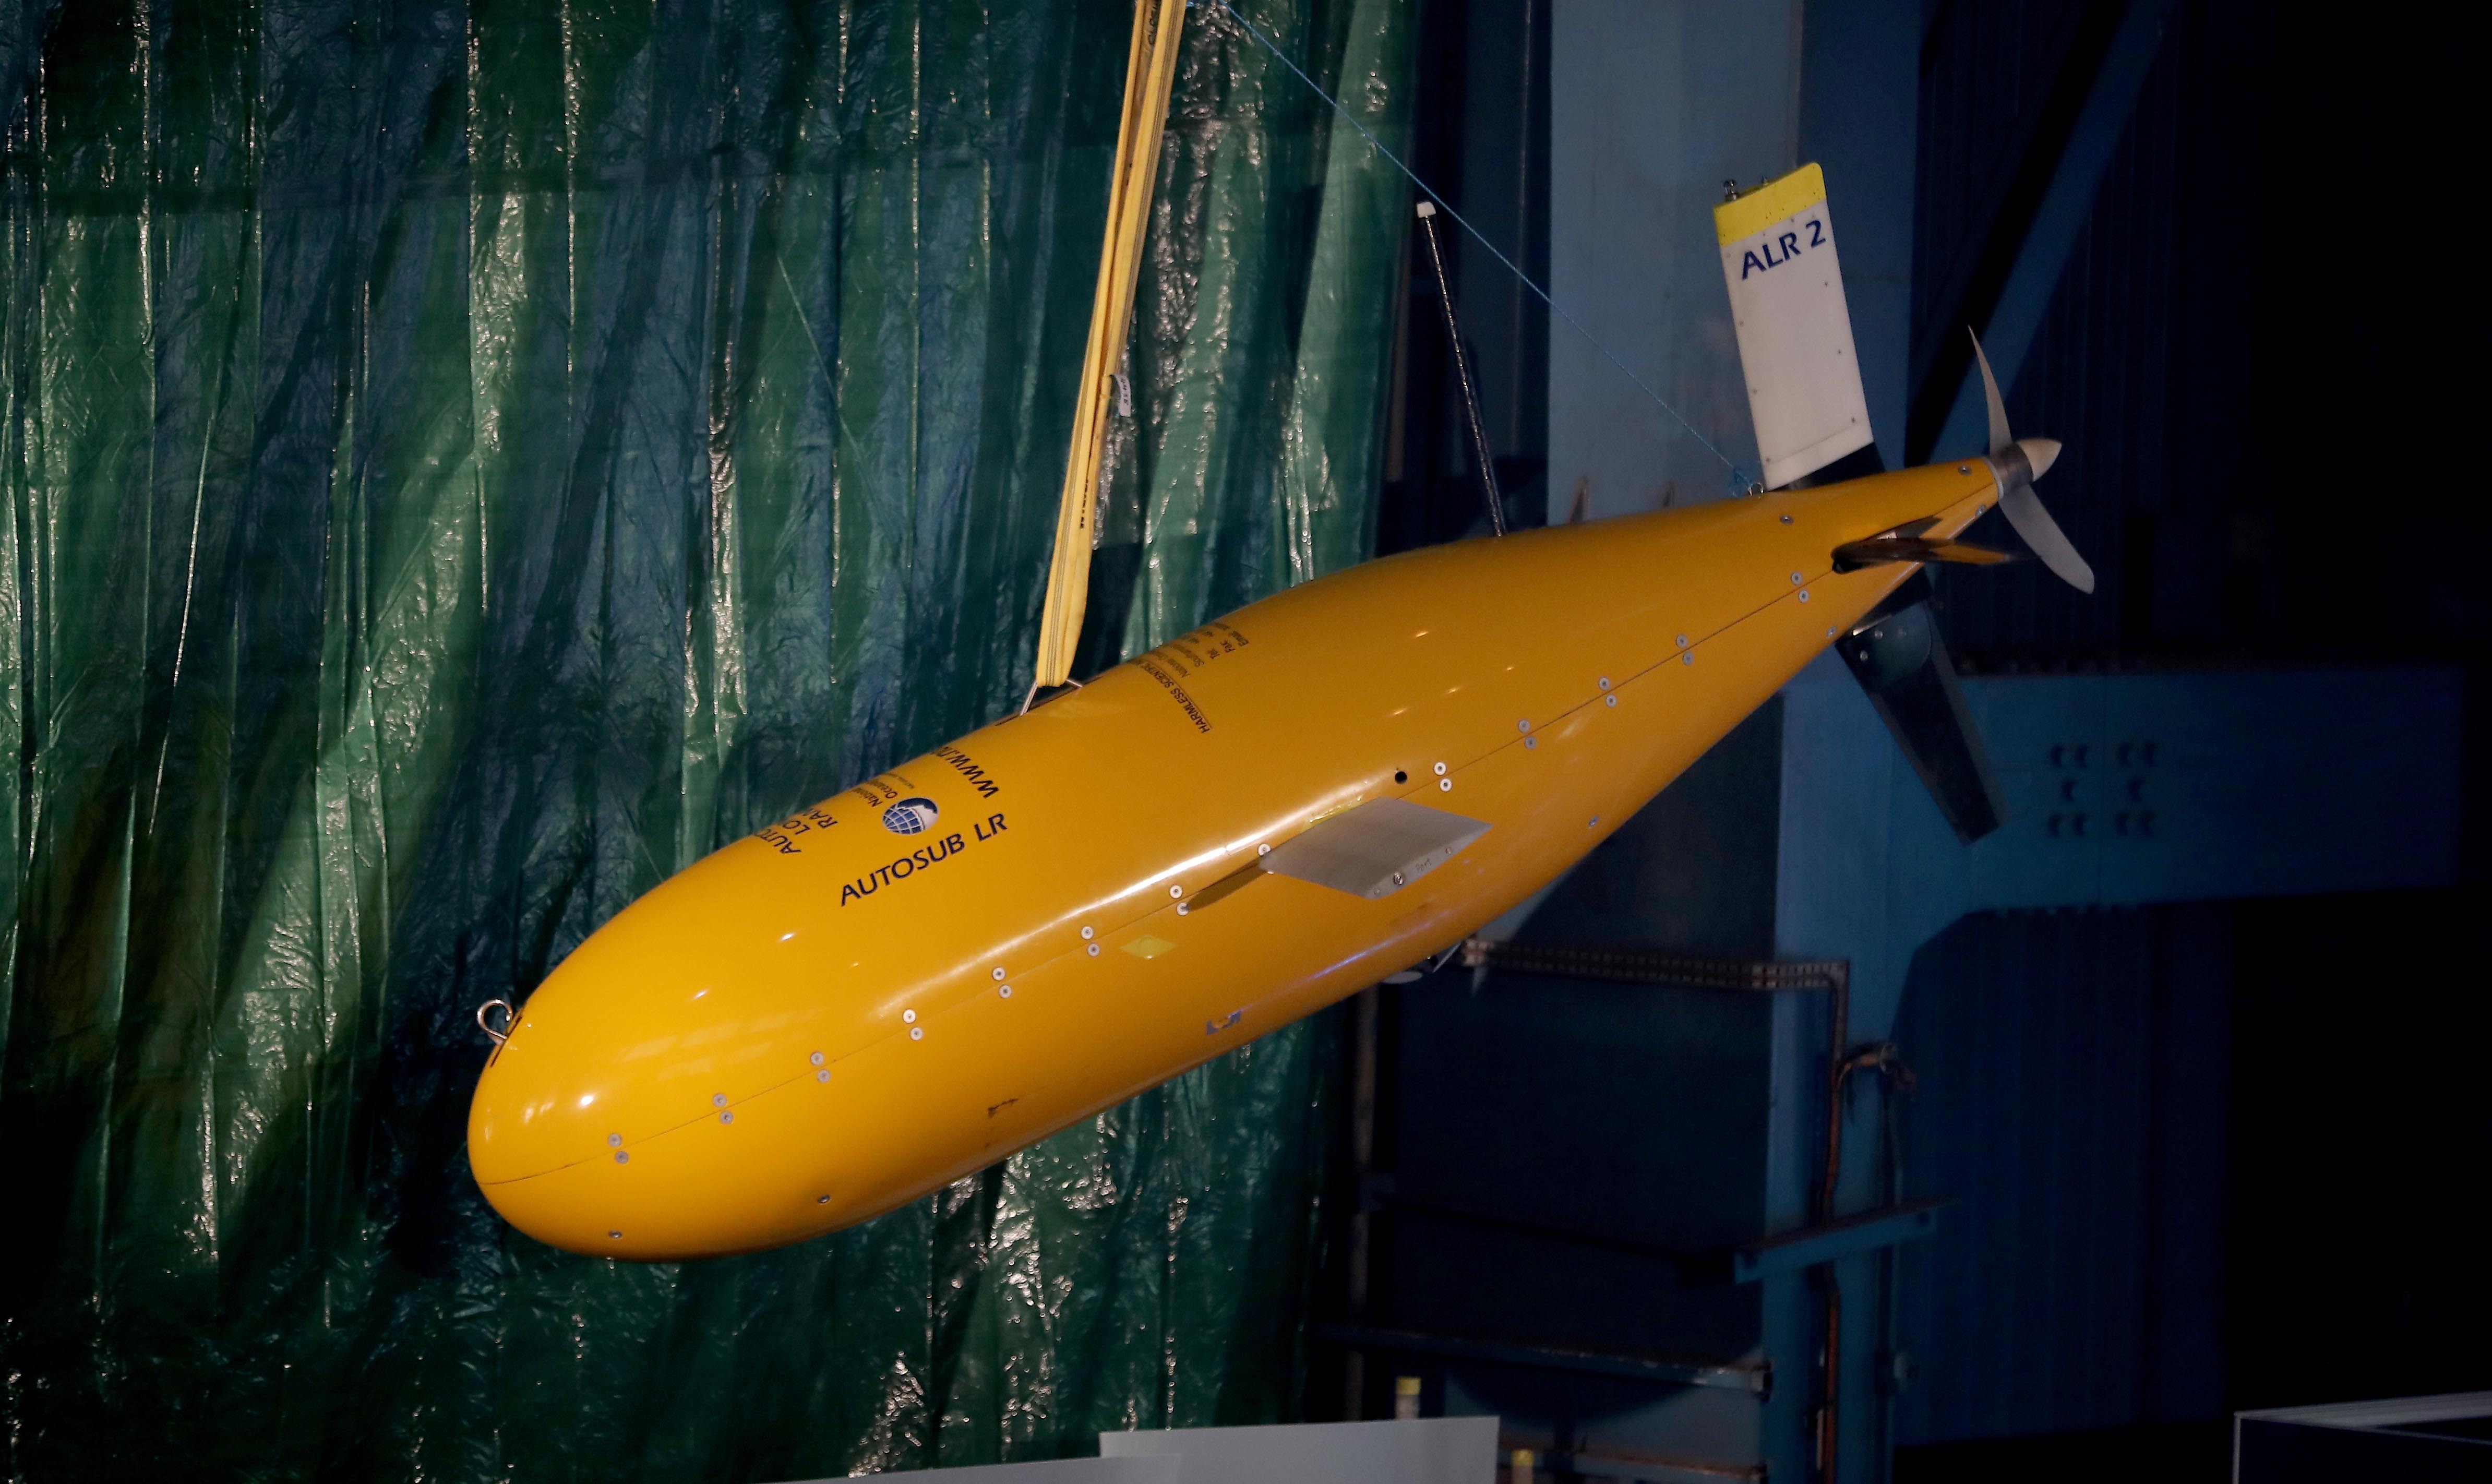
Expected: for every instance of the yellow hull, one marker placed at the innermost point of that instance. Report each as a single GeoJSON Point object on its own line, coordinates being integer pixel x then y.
{"type": "Point", "coordinates": [825, 1021]}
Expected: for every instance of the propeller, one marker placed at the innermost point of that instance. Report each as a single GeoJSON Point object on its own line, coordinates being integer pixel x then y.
{"type": "Point", "coordinates": [2018, 463]}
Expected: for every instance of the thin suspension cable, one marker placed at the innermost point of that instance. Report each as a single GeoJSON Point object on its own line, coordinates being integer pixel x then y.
{"type": "Point", "coordinates": [1479, 237]}
{"type": "Point", "coordinates": [1463, 373]}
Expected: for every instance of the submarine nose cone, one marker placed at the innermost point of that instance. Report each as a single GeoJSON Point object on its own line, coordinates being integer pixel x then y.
{"type": "Point", "coordinates": [526, 1116]}
{"type": "Point", "coordinates": [581, 1073]}
{"type": "Point", "coordinates": [631, 1110]}
{"type": "Point", "coordinates": [609, 1147]}
{"type": "Point", "coordinates": [549, 1107]}
{"type": "Point", "coordinates": [660, 1018]}
{"type": "Point", "coordinates": [597, 1139]}
{"type": "Point", "coordinates": [528, 1125]}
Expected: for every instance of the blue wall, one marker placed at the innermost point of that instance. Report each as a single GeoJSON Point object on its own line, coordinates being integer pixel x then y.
{"type": "Point", "coordinates": [2168, 1201]}
{"type": "Point", "coordinates": [2072, 1096]}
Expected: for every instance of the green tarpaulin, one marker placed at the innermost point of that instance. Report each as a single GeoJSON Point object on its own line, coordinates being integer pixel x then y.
{"type": "Point", "coordinates": [463, 463]}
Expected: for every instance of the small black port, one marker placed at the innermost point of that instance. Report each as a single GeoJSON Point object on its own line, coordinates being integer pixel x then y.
{"type": "Point", "coordinates": [1401, 777]}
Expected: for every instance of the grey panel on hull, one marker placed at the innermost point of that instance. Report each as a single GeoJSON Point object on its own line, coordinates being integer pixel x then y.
{"type": "Point", "coordinates": [1377, 848]}
{"type": "Point", "coordinates": [1432, 1450]}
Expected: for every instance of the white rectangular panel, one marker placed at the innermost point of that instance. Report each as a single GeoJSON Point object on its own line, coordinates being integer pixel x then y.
{"type": "Point", "coordinates": [1429, 1450]}
{"type": "Point", "coordinates": [1794, 330]}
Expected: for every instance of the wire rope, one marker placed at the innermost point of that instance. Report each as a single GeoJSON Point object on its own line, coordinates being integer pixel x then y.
{"type": "Point", "coordinates": [1479, 237]}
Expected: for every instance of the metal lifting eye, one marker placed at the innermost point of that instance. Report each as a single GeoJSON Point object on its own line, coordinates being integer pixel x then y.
{"type": "Point", "coordinates": [510, 1016]}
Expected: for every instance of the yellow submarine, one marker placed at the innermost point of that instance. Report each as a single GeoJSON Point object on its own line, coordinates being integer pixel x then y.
{"type": "Point", "coordinates": [912, 979]}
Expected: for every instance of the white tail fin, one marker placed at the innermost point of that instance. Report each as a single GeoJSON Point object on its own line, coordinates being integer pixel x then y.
{"type": "Point", "coordinates": [1794, 328]}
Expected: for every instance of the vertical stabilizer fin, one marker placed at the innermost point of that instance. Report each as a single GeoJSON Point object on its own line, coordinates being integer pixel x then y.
{"type": "Point", "coordinates": [1794, 325]}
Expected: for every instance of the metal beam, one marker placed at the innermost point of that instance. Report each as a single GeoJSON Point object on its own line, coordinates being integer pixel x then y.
{"type": "Point", "coordinates": [1795, 1251]}
{"type": "Point", "coordinates": [2008, 330]}
{"type": "Point", "coordinates": [1654, 965]}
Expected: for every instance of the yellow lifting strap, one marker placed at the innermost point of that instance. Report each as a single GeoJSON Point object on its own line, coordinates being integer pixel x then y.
{"type": "Point", "coordinates": [1149, 72]}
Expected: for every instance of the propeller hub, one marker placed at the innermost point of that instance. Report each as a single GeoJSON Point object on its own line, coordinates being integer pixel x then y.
{"type": "Point", "coordinates": [2023, 461]}
{"type": "Point", "coordinates": [2016, 462]}
{"type": "Point", "coordinates": [2011, 467]}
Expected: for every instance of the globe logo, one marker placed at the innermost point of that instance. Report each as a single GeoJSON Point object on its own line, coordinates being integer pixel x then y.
{"type": "Point", "coordinates": [910, 816]}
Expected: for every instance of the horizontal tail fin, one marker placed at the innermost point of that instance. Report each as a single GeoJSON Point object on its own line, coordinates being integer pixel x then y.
{"type": "Point", "coordinates": [1884, 551]}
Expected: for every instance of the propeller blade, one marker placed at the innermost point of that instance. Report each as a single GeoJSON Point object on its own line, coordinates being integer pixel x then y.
{"type": "Point", "coordinates": [2000, 436]}
{"type": "Point", "coordinates": [2016, 475]}
{"type": "Point", "coordinates": [2024, 510]}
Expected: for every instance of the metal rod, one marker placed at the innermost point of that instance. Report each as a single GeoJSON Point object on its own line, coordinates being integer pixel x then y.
{"type": "Point", "coordinates": [1838, 1043]}
{"type": "Point", "coordinates": [1362, 1161]}
{"type": "Point", "coordinates": [1755, 1377]}
{"type": "Point", "coordinates": [1463, 371]}
{"type": "Point", "coordinates": [1833, 975]}
{"type": "Point", "coordinates": [1839, 1014]}
{"type": "Point", "coordinates": [1829, 1431]}
{"type": "Point", "coordinates": [1654, 965]}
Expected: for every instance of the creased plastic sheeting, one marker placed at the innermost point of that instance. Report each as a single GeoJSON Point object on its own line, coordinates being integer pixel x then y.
{"type": "Point", "coordinates": [1222, 425]}
{"type": "Point", "coordinates": [463, 463]}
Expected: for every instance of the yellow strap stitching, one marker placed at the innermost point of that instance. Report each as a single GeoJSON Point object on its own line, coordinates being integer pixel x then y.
{"type": "Point", "coordinates": [1150, 71]}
